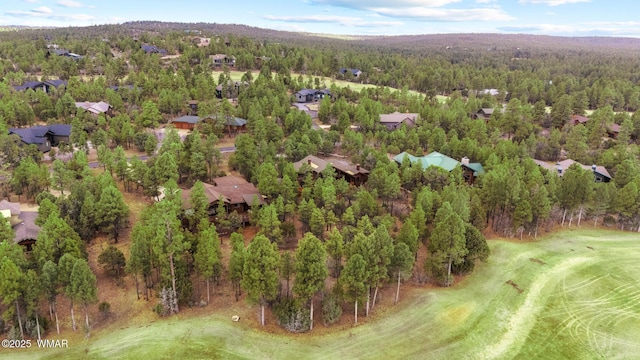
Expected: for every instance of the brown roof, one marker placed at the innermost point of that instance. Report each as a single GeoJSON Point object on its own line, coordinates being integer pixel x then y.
{"type": "Point", "coordinates": [229, 181]}
{"type": "Point", "coordinates": [579, 119]}
{"type": "Point", "coordinates": [232, 189]}
{"type": "Point", "coordinates": [318, 165]}
{"type": "Point", "coordinates": [398, 117]}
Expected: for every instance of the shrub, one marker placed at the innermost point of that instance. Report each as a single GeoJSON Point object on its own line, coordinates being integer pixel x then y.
{"type": "Point", "coordinates": [291, 315]}
{"type": "Point", "coordinates": [104, 307]}
{"type": "Point", "coordinates": [331, 309]}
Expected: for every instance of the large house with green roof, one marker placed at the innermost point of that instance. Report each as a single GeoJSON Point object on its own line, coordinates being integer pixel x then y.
{"type": "Point", "coordinates": [469, 170]}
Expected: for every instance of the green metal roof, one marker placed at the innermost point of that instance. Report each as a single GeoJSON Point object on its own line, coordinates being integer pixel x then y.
{"type": "Point", "coordinates": [437, 159]}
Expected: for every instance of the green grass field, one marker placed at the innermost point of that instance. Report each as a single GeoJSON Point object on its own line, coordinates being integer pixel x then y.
{"type": "Point", "coordinates": [571, 295]}
{"type": "Point", "coordinates": [237, 76]}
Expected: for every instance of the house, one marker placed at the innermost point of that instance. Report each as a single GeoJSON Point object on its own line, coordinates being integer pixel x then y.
{"type": "Point", "coordinates": [22, 222]}
{"type": "Point", "coordinates": [261, 60]}
{"type": "Point", "coordinates": [202, 41]}
{"type": "Point", "coordinates": [578, 119]}
{"type": "Point", "coordinates": [187, 122]}
{"type": "Point", "coordinates": [233, 125]}
{"type": "Point", "coordinates": [613, 130]}
{"type": "Point", "coordinates": [232, 90]}
{"type": "Point", "coordinates": [46, 85]}
{"type": "Point", "coordinates": [95, 108]}
{"type": "Point", "coordinates": [44, 137]}
{"type": "Point", "coordinates": [492, 92]}
{"type": "Point", "coordinates": [193, 106]}
{"type": "Point", "coordinates": [223, 59]}
{"type": "Point", "coordinates": [600, 173]}
{"type": "Point", "coordinates": [152, 49]}
{"type": "Point", "coordinates": [394, 120]}
{"type": "Point", "coordinates": [470, 171]}
{"type": "Point", "coordinates": [310, 95]}
{"type": "Point", "coordinates": [484, 114]}
{"type": "Point", "coordinates": [64, 52]}
{"type": "Point", "coordinates": [353, 72]}
{"type": "Point", "coordinates": [354, 174]}
{"type": "Point", "coordinates": [237, 193]}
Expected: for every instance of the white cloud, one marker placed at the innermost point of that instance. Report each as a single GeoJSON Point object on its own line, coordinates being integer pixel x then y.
{"type": "Point", "coordinates": [450, 15]}
{"type": "Point", "coordinates": [70, 3]}
{"type": "Point", "coordinates": [31, 1]}
{"type": "Point", "coordinates": [42, 10]}
{"type": "Point", "coordinates": [368, 4]}
{"type": "Point", "coordinates": [552, 2]}
{"type": "Point", "coordinates": [341, 20]}
{"type": "Point", "coordinates": [428, 10]}
{"type": "Point", "coordinates": [628, 28]}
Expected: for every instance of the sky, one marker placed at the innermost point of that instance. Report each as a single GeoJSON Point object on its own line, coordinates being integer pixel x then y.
{"type": "Point", "coordinates": [347, 17]}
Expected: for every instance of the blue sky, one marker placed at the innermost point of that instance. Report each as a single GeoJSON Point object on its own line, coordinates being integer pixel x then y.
{"type": "Point", "coordinates": [351, 17]}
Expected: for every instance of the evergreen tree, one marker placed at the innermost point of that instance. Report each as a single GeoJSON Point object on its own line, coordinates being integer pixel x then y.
{"type": "Point", "coordinates": [311, 270]}
{"type": "Point", "coordinates": [353, 278]}
{"type": "Point", "coordinates": [112, 211]}
{"type": "Point", "coordinates": [83, 287]}
{"type": "Point", "coordinates": [260, 272]}
{"type": "Point", "coordinates": [207, 256]}
{"type": "Point", "coordinates": [236, 261]}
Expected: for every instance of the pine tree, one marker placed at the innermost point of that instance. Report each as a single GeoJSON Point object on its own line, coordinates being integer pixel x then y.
{"type": "Point", "coordinates": [260, 272]}
{"type": "Point", "coordinates": [311, 270]}
{"type": "Point", "coordinates": [112, 211]}
{"type": "Point", "coordinates": [353, 278]}
{"type": "Point", "coordinates": [83, 287]}
{"type": "Point", "coordinates": [207, 256]}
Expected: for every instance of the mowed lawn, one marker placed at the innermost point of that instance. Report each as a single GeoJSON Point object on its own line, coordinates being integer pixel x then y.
{"type": "Point", "coordinates": [572, 295]}
{"type": "Point", "coordinates": [237, 76]}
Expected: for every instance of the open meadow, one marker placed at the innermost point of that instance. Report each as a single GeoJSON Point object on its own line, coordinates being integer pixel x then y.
{"type": "Point", "coordinates": [571, 295]}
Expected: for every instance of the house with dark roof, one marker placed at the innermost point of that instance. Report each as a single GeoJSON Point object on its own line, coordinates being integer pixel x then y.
{"type": "Point", "coordinates": [600, 173]}
{"type": "Point", "coordinates": [22, 222]}
{"type": "Point", "coordinates": [44, 137]}
{"type": "Point", "coordinates": [395, 120]}
{"type": "Point", "coordinates": [470, 171]}
{"type": "Point", "coordinates": [311, 95]}
{"type": "Point", "coordinates": [483, 114]}
{"type": "Point", "coordinates": [45, 86]}
{"type": "Point", "coordinates": [222, 59]}
{"type": "Point", "coordinates": [187, 122]}
{"type": "Point", "coordinates": [351, 72]}
{"type": "Point", "coordinates": [152, 49]}
{"type": "Point", "coordinates": [232, 125]}
{"type": "Point", "coordinates": [64, 52]}
{"type": "Point", "coordinates": [354, 174]}
{"type": "Point", "coordinates": [237, 194]}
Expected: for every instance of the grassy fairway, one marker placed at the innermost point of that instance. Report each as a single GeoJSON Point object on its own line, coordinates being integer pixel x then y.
{"type": "Point", "coordinates": [237, 76]}
{"type": "Point", "coordinates": [572, 295]}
